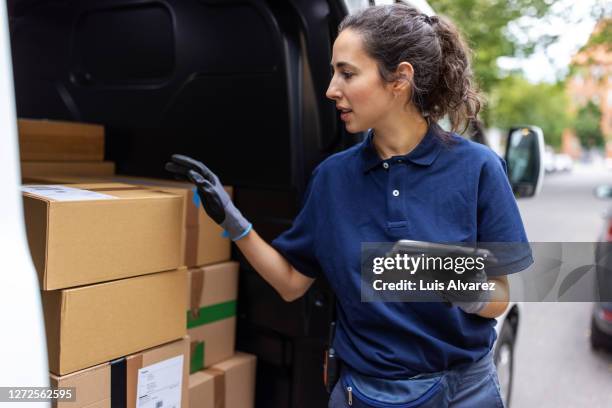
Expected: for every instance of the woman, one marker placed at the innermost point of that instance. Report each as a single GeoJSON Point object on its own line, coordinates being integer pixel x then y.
{"type": "Point", "coordinates": [395, 71]}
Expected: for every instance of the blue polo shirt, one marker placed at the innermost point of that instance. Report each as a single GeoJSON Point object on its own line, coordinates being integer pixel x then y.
{"type": "Point", "coordinates": [442, 191]}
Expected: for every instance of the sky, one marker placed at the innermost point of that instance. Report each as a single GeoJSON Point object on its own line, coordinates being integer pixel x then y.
{"type": "Point", "coordinates": [574, 30]}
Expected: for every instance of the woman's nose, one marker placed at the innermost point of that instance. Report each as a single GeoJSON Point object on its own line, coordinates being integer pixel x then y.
{"type": "Point", "coordinates": [333, 92]}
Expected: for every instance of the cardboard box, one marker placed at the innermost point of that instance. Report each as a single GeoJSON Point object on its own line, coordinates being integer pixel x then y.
{"type": "Point", "coordinates": [202, 237]}
{"type": "Point", "coordinates": [211, 318]}
{"type": "Point", "coordinates": [46, 140]}
{"type": "Point", "coordinates": [111, 231]}
{"type": "Point", "coordinates": [204, 243]}
{"type": "Point", "coordinates": [92, 324]}
{"type": "Point", "coordinates": [91, 387]}
{"type": "Point", "coordinates": [202, 390]}
{"type": "Point", "coordinates": [47, 168]}
{"type": "Point", "coordinates": [234, 381]}
{"type": "Point", "coordinates": [125, 377]}
{"type": "Point", "coordinates": [161, 373]}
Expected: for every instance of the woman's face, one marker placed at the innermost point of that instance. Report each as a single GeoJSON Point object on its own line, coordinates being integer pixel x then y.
{"type": "Point", "coordinates": [361, 95]}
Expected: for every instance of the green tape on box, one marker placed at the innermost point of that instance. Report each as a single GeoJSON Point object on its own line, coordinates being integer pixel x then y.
{"type": "Point", "coordinates": [197, 358]}
{"type": "Point", "coordinates": [212, 313]}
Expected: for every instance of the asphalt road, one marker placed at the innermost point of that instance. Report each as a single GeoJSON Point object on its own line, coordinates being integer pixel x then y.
{"type": "Point", "coordinates": [555, 366]}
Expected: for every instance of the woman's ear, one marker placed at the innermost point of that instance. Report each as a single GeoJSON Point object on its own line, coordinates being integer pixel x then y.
{"type": "Point", "coordinates": [404, 75]}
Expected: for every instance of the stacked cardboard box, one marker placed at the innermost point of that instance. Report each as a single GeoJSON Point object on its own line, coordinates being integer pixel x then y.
{"type": "Point", "coordinates": [229, 384]}
{"type": "Point", "coordinates": [89, 233]}
{"type": "Point", "coordinates": [115, 235]}
{"type": "Point", "coordinates": [109, 257]}
{"type": "Point", "coordinates": [203, 243]}
{"type": "Point", "coordinates": [211, 318]}
{"type": "Point", "coordinates": [109, 261]}
{"type": "Point", "coordinates": [220, 377]}
{"type": "Point", "coordinates": [62, 148]}
{"type": "Point", "coordinates": [150, 376]}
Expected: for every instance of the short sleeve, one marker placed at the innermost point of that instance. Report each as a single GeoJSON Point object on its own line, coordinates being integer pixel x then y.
{"type": "Point", "coordinates": [500, 226]}
{"type": "Point", "coordinates": [297, 244]}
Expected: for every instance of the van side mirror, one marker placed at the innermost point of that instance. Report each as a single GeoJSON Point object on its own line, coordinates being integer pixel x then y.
{"type": "Point", "coordinates": [524, 157]}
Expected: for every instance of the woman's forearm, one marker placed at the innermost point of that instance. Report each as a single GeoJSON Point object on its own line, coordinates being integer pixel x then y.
{"type": "Point", "coordinates": [273, 267]}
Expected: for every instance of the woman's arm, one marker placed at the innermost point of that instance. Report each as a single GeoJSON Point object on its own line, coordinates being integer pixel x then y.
{"type": "Point", "coordinates": [499, 298]}
{"type": "Point", "coordinates": [266, 260]}
{"type": "Point", "coordinates": [273, 267]}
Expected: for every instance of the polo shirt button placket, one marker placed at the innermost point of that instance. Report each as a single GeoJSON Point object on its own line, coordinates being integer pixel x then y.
{"type": "Point", "coordinates": [395, 193]}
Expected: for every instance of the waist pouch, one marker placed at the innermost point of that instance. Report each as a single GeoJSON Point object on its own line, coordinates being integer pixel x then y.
{"type": "Point", "coordinates": [414, 392]}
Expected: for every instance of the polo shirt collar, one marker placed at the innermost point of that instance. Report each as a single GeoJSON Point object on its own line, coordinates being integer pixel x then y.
{"type": "Point", "coordinates": [424, 154]}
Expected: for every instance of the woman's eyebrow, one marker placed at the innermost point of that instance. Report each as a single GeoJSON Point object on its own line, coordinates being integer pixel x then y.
{"type": "Point", "coordinates": [342, 64]}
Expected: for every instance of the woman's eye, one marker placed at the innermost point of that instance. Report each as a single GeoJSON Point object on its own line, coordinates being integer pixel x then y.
{"type": "Point", "coordinates": [347, 75]}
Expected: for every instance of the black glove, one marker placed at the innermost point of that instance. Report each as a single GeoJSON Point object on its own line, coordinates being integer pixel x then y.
{"type": "Point", "coordinates": [470, 301]}
{"type": "Point", "coordinates": [215, 200]}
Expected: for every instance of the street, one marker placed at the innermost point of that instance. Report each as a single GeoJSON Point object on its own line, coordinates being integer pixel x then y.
{"type": "Point", "coordinates": [555, 366]}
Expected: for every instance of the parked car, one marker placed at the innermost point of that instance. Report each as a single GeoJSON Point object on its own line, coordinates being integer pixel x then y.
{"type": "Point", "coordinates": [184, 88]}
{"type": "Point", "coordinates": [601, 317]}
{"type": "Point", "coordinates": [549, 159]}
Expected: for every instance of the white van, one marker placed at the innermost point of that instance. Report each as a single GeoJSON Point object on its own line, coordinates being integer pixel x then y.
{"type": "Point", "coordinates": [167, 76]}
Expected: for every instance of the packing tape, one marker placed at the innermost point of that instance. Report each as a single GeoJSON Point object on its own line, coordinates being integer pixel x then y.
{"type": "Point", "coordinates": [193, 211]}
{"type": "Point", "coordinates": [211, 314]}
{"type": "Point", "coordinates": [197, 356]}
{"type": "Point", "coordinates": [118, 383]}
{"type": "Point", "coordinates": [197, 287]}
{"type": "Point", "coordinates": [192, 236]}
{"type": "Point", "coordinates": [219, 385]}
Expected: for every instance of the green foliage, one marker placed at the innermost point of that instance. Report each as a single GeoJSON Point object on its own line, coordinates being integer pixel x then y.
{"type": "Point", "coordinates": [588, 125]}
{"type": "Point", "coordinates": [484, 24]}
{"type": "Point", "coordinates": [518, 101]}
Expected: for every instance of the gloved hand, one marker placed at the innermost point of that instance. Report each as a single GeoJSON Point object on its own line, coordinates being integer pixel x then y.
{"type": "Point", "coordinates": [470, 301]}
{"type": "Point", "coordinates": [215, 200]}
{"type": "Point", "coordinates": [467, 300]}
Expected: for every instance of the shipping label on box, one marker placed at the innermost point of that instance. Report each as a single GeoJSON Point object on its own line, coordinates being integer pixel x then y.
{"type": "Point", "coordinates": [64, 193]}
{"type": "Point", "coordinates": [159, 385]}
{"type": "Point", "coordinates": [159, 377]}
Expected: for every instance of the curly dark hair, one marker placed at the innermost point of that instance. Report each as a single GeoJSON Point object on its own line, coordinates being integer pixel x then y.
{"type": "Point", "coordinates": [443, 82]}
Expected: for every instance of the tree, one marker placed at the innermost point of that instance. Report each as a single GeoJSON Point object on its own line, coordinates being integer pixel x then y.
{"type": "Point", "coordinates": [518, 101]}
{"type": "Point", "coordinates": [588, 125]}
{"type": "Point", "coordinates": [484, 23]}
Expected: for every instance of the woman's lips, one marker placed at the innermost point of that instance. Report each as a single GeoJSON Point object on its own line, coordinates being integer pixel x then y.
{"type": "Point", "coordinates": [345, 115]}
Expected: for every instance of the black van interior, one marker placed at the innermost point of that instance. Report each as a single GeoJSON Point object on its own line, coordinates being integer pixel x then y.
{"type": "Point", "coordinates": [238, 84]}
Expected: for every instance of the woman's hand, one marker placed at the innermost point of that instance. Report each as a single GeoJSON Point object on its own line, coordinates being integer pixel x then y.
{"type": "Point", "coordinates": [215, 200]}
{"type": "Point", "coordinates": [266, 260]}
